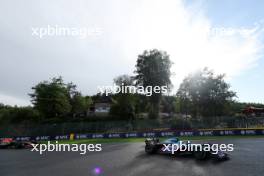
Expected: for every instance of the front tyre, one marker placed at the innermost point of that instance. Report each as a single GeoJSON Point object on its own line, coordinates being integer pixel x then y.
{"type": "Point", "coordinates": [150, 149]}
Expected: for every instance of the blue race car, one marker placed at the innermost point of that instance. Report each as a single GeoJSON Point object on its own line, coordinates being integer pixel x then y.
{"type": "Point", "coordinates": [175, 146]}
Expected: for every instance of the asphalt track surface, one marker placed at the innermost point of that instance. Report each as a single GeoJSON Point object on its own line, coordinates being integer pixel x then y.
{"type": "Point", "coordinates": [129, 159]}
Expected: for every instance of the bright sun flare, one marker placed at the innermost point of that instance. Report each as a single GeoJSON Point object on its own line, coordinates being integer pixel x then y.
{"type": "Point", "coordinates": [190, 40]}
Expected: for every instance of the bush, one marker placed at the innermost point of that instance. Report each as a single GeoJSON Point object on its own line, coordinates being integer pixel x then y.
{"type": "Point", "coordinates": [19, 115]}
{"type": "Point", "coordinates": [180, 123]}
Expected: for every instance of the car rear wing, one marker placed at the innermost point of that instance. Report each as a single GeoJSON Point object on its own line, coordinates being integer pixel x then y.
{"type": "Point", "coordinates": [149, 141]}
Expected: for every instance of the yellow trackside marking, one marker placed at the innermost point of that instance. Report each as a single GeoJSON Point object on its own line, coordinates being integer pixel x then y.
{"type": "Point", "coordinates": [72, 136]}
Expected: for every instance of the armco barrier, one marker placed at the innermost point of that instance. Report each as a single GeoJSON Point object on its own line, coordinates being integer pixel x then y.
{"type": "Point", "coordinates": [167, 133]}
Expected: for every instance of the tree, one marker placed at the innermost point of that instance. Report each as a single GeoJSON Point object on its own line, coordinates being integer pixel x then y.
{"type": "Point", "coordinates": [204, 94]}
{"type": "Point", "coordinates": [17, 115]}
{"type": "Point", "coordinates": [2, 106]}
{"type": "Point", "coordinates": [123, 106]}
{"type": "Point", "coordinates": [123, 103]}
{"type": "Point", "coordinates": [124, 80]}
{"type": "Point", "coordinates": [79, 103]}
{"type": "Point", "coordinates": [169, 104]}
{"type": "Point", "coordinates": [141, 103]}
{"type": "Point", "coordinates": [153, 69]}
{"type": "Point", "coordinates": [52, 98]}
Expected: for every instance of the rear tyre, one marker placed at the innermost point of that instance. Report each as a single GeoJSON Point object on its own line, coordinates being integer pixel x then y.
{"type": "Point", "coordinates": [200, 155]}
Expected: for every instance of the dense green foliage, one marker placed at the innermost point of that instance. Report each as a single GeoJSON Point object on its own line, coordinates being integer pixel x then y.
{"type": "Point", "coordinates": [153, 69]}
{"type": "Point", "coordinates": [52, 99]}
{"type": "Point", "coordinates": [204, 94]}
{"type": "Point", "coordinates": [16, 115]}
{"type": "Point", "coordinates": [203, 99]}
{"type": "Point", "coordinates": [123, 105]}
{"type": "Point", "coordinates": [57, 99]}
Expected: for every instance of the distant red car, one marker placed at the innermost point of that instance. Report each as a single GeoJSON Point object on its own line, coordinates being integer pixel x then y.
{"type": "Point", "coordinates": [9, 143]}
{"type": "Point", "coordinates": [253, 110]}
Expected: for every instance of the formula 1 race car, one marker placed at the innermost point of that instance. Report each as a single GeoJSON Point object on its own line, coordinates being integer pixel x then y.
{"type": "Point", "coordinates": [9, 143]}
{"type": "Point", "coordinates": [173, 146]}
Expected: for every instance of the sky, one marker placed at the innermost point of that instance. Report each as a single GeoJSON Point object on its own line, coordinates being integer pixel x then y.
{"type": "Point", "coordinates": [226, 36]}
